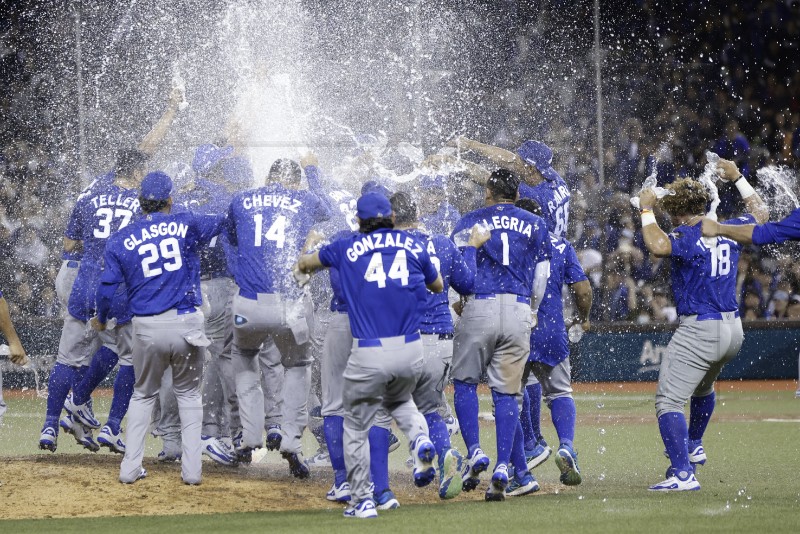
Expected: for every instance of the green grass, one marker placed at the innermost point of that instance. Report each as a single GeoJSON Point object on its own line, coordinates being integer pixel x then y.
{"type": "Point", "coordinates": [749, 484]}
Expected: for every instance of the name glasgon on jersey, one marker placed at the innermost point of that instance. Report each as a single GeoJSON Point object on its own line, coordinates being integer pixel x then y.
{"type": "Point", "coordinates": [704, 270]}
{"type": "Point", "coordinates": [269, 225]}
{"type": "Point", "coordinates": [99, 212]}
{"type": "Point", "coordinates": [382, 276]}
{"type": "Point", "coordinates": [507, 261]}
{"type": "Point", "coordinates": [549, 342]}
{"type": "Point", "coordinates": [157, 259]}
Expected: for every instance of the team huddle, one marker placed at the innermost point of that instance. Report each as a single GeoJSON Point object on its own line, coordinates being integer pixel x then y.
{"type": "Point", "coordinates": [206, 291]}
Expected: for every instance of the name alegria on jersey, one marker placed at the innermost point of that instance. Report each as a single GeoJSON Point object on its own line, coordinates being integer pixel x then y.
{"type": "Point", "coordinates": [271, 200]}
{"type": "Point", "coordinates": [155, 230]}
{"type": "Point", "coordinates": [506, 222]}
{"type": "Point", "coordinates": [371, 242]}
{"type": "Point", "coordinates": [126, 202]}
{"type": "Point", "coordinates": [559, 196]}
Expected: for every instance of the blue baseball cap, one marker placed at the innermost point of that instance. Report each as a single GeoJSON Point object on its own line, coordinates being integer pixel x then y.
{"type": "Point", "coordinates": [156, 186]}
{"type": "Point", "coordinates": [432, 182]}
{"type": "Point", "coordinates": [374, 186]}
{"type": "Point", "coordinates": [208, 155]}
{"type": "Point", "coordinates": [537, 154]}
{"type": "Point", "coordinates": [373, 205]}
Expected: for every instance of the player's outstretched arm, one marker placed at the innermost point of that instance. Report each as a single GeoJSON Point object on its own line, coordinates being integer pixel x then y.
{"type": "Point", "coordinates": [16, 351]}
{"type": "Point", "coordinates": [740, 233]}
{"type": "Point", "coordinates": [309, 263]}
{"type": "Point", "coordinates": [583, 301]}
{"type": "Point", "coordinates": [475, 172]}
{"type": "Point", "coordinates": [156, 135]}
{"type": "Point", "coordinates": [753, 202]}
{"type": "Point", "coordinates": [437, 286]}
{"type": "Point", "coordinates": [656, 241]}
{"type": "Point", "coordinates": [496, 155]}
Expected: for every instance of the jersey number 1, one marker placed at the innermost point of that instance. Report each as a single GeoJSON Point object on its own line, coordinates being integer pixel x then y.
{"type": "Point", "coordinates": [398, 270]}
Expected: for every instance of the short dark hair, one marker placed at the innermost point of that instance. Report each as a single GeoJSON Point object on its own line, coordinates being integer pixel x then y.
{"type": "Point", "coordinates": [285, 169]}
{"type": "Point", "coordinates": [367, 226]}
{"type": "Point", "coordinates": [503, 184]}
{"type": "Point", "coordinates": [152, 206]}
{"type": "Point", "coordinates": [404, 208]}
{"type": "Point", "coordinates": [129, 160]}
{"type": "Point", "coordinates": [528, 204]}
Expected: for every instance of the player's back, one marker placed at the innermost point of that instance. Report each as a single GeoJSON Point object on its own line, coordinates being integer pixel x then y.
{"type": "Point", "coordinates": [506, 262]}
{"type": "Point", "coordinates": [553, 196]}
{"type": "Point", "coordinates": [157, 257]}
{"type": "Point", "coordinates": [269, 226]}
{"type": "Point", "coordinates": [208, 198]}
{"type": "Point", "coordinates": [704, 270]}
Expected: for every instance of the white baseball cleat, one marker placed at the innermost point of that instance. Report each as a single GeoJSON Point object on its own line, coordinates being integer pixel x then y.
{"type": "Point", "coordinates": [677, 483]}
{"type": "Point", "coordinates": [81, 412]}
{"type": "Point", "coordinates": [217, 451]}
{"type": "Point", "coordinates": [340, 493]}
{"type": "Point", "coordinates": [363, 510]}
{"type": "Point", "coordinates": [107, 438]}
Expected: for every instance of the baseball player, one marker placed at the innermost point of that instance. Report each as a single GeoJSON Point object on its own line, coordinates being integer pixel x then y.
{"type": "Point", "coordinates": [269, 226]}
{"type": "Point", "coordinates": [16, 352]}
{"type": "Point", "coordinates": [493, 334]}
{"type": "Point", "coordinates": [549, 358]}
{"type": "Point", "coordinates": [156, 258]}
{"type": "Point", "coordinates": [710, 334]}
{"type": "Point", "coordinates": [376, 266]}
{"type": "Point", "coordinates": [438, 216]}
{"type": "Point", "coordinates": [437, 334]}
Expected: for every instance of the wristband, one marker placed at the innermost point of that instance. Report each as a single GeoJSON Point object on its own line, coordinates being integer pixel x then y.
{"type": "Point", "coordinates": [648, 217]}
{"type": "Point", "coordinates": [745, 189]}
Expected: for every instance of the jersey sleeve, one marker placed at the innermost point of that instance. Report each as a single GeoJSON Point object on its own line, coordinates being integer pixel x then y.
{"type": "Point", "coordinates": [209, 226]}
{"type": "Point", "coordinates": [542, 237]}
{"type": "Point", "coordinates": [110, 280]}
{"type": "Point", "coordinates": [462, 276]}
{"type": "Point", "coordinates": [573, 272]}
{"type": "Point", "coordinates": [681, 246]}
{"type": "Point", "coordinates": [428, 268]}
{"type": "Point", "coordinates": [320, 210]}
{"type": "Point", "coordinates": [74, 229]}
{"type": "Point", "coordinates": [778, 232]}
{"type": "Point", "coordinates": [329, 255]}
{"type": "Point", "coordinates": [229, 226]}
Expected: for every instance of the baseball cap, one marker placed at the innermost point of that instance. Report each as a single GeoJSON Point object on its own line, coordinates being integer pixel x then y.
{"type": "Point", "coordinates": [540, 156]}
{"type": "Point", "coordinates": [372, 205]}
{"type": "Point", "coordinates": [156, 186]}
{"type": "Point", "coordinates": [208, 155]}
{"type": "Point", "coordinates": [373, 186]}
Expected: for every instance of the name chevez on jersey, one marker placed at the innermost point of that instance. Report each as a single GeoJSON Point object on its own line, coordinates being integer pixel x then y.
{"type": "Point", "coordinates": [269, 200]}
{"type": "Point", "coordinates": [374, 241]}
{"type": "Point", "coordinates": [156, 230]}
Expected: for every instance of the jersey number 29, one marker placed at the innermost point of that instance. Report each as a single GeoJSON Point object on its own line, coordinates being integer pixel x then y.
{"type": "Point", "coordinates": [169, 249]}
{"type": "Point", "coordinates": [398, 270]}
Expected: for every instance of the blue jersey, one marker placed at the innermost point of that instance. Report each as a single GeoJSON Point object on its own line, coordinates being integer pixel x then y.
{"type": "Point", "coordinates": [703, 276]}
{"type": "Point", "coordinates": [101, 211]}
{"type": "Point", "coordinates": [553, 197]}
{"type": "Point", "coordinates": [209, 198]}
{"type": "Point", "coordinates": [549, 343]}
{"type": "Point", "coordinates": [383, 276]}
{"type": "Point", "coordinates": [269, 226]}
{"type": "Point", "coordinates": [457, 271]}
{"type": "Point", "coordinates": [443, 221]}
{"type": "Point", "coordinates": [507, 261]}
{"type": "Point", "coordinates": [780, 231]}
{"type": "Point", "coordinates": [156, 258]}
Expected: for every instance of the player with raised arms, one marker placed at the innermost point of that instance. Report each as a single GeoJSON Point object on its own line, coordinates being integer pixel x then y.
{"type": "Point", "coordinates": [380, 265]}
{"type": "Point", "coordinates": [493, 335]}
{"type": "Point", "coordinates": [710, 334]}
{"type": "Point", "coordinates": [156, 258]}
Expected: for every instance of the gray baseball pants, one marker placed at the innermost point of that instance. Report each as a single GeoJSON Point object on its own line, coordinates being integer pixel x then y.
{"type": "Point", "coordinates": [272, 378]}
{"type": "Point", "coordinates": [556, 380]}
{"type": "Point", "coordinates": [218, 384]}
{"type": "Point", "coordinates": [65, 279]}
{"type": "Point", "coordinates": [161, 342]}
{"type": "Point", "coordinates": [379, 376]}
{"type": "Point", "coordinates": [438, 356]}
{"type": "Point", "coordinates": [695, 357]}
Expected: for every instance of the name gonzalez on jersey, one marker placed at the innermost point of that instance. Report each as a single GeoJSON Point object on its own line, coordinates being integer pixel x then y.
{"type": "Point", "coordinates": [156, 230]}
{"type": "Point", "coordinates": [271, 201]}
{"type": "Point", "coordinates": [371, 242]}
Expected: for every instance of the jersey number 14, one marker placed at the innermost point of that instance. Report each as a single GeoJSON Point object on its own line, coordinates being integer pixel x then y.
{"type": "Point", "coordinates": [276, 232]}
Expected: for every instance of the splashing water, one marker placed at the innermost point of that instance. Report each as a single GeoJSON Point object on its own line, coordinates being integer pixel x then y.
{"type": "Point", "coordinates": [776, 189]}
{"type": "Point", "coordinates": [708, 178]}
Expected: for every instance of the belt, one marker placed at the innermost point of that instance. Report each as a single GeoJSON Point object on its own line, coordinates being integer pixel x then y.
{"type": "Point", "coordinates": [409, 338]}
{"type": "Point", "coordinates": [181, 311]}
{"type": "Point", "coordinates": [73, 264]}
{"type": "Point", "coordinates": [250, 295]}
{"type": "Point", "coordinates": [715, 316]}
{"type": "Point", "coordinates": [442, 337]}
{"type": "Point", "coordinates": [492, 296]}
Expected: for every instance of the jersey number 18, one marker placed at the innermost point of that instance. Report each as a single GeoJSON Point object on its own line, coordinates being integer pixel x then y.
{"type": "Point", "coordinates": [721, 259]}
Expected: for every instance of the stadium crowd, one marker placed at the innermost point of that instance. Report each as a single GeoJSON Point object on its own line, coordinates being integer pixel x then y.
{"type": "Point", "coordinates": [682, 80]}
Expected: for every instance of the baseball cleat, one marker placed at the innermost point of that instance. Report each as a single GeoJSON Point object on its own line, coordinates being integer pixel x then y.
{"type": "Point", "coordinates": [394, 443]}
{"type": "Point", "coordinates": [386, 500]}
{"type": "Point", "coordinates": [142, 474]}
{"type": "Point", "coordinates": [450, 466]}
{"type": "Point", "coordinates": [476, 464]}
{"type": "Point", "coordinates": [297, 465]}
{"type": "Point", "coordinates": [497, 488]}
{"type": "Point", "coordinates": [244, 455]}
{"type": "Point", "coordinates": [81, 412]}
{"type": "Point", "coordinates": [274, 437]}
{"type": "Point", "coordinates": [48, 440]}
{"type": "Point", "coordinates": [697, 454]}
{"type": "Point", "coordinates": [113, 441]}
{"type": "Point", "coordinates": [538, 455]}
{"type": "Point", "coordinates": [340, 493]}
{"type": "Point", "coordinates": [525, 486]}
{"type": "Point", "coordinates": [423, 452]}
{"type": "Point", "coordinates": [452, 425]}
{"type": "Point", "coordinates": [363, 510]}
{"type": "Point", "coordinates": [166, 456]}
{"type": "Point", "coordinates": [82, 434]}
{"type": "Point", "coordinates": [320, 459]}
{"type": "Point", "coordinates": [217, 451]}
{"type": "Point", "coordinates": [567, 463]}
{"type": "Point", "coordinates": [682, 481]}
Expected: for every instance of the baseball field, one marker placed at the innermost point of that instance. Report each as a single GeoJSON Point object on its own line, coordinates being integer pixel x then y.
{"type": "Point", "coordinates": [750, 482]}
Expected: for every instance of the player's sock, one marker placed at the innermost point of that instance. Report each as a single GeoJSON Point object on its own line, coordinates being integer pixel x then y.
{"type": "Point", "coordinates": [123, 390]}
{"type": "Point", "coordinates": [535, 399]}
{"type": "Point", "coordinates": [518, 454]}
{"type": "Point", "coordinates": [102, 364]}
{"type": "Point", "coordinates": [675, 436]}
{"type": "Point", "coordinates": [700, 414]}
{"type": "Point", "coordinates": [525, 420]}
{"type": "Point", "coordinates": [334, 437]}
{"type": "Point", "coordinates": [506, 417]}
{"type": "Point", "coordinates": [437, 432]}
{"type": "Point", "coordinates": [379, 458]}
{"type": "Point", "coordinates": [562, 411]}
{"type": "Point", "coordinates": [465, 401]}
{"type": "Point", "coordinates": [58, 386]}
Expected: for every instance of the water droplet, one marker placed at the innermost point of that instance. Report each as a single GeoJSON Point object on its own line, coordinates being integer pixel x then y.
{"type": "Point", "coordinates": [600, 405]}
{"type": "Point", "coordinates": [601, 476]}
{"type": "Point", "coordinates": [601, 449]}
{"type": "Point", "coordinates": [580, 497]}
{"type": "Point", "coordinates": [604, 499]}
{"type": "Point", "coordinates": [602, 431]}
